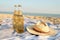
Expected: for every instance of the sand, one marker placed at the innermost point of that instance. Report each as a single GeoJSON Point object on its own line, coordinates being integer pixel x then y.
{"type": "Point", "coordinates": [43, 18]}
{"type": "Point", "coordinates": [5, 16]}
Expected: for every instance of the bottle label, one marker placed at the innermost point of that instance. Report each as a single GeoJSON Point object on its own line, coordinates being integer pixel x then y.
{"type": "Point", "coordinates": [18, 15]}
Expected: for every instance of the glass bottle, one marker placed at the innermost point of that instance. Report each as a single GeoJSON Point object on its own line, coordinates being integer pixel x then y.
{"type": "Point", "coordinates": [18, 20]}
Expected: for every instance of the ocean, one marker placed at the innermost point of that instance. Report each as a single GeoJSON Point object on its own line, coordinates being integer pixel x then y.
{"type": "Point", "coordinates": [36, 14]}
{"type": "Point", "coordinates": [43, 14]}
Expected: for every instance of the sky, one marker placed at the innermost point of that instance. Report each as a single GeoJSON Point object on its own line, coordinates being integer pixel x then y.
{"type": "Point", "coordinates": [32, 6]}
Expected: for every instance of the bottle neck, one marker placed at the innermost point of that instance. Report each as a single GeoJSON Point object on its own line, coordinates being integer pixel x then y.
{"type": "Point", "coordinates": [17, 10]}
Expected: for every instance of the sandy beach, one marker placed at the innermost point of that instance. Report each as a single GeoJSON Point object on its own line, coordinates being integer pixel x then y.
{"type": "Point", "coordinates": [5, 15]}
{"type": "Point", "coordinates": [29, 20]}
{"type": "Point", "coordinates": [54, 20]}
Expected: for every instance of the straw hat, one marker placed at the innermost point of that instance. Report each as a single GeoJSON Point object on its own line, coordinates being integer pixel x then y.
{"type": "Point", "coordinates": [41, 29]}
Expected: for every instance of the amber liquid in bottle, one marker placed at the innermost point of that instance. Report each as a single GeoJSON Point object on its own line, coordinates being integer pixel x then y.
{"type": "Point", "coordinates": [18, 21]}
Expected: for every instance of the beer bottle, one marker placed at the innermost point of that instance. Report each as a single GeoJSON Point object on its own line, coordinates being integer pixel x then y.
{"type": "Point", "coordinates": [18, 20]}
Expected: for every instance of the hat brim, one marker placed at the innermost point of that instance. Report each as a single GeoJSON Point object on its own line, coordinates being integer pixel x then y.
{"type": "Point", "coordinates": [32, 31]}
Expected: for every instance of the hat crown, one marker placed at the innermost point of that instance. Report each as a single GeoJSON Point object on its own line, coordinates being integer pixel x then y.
{"type": "Point", "coordinates": [42, 26]}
